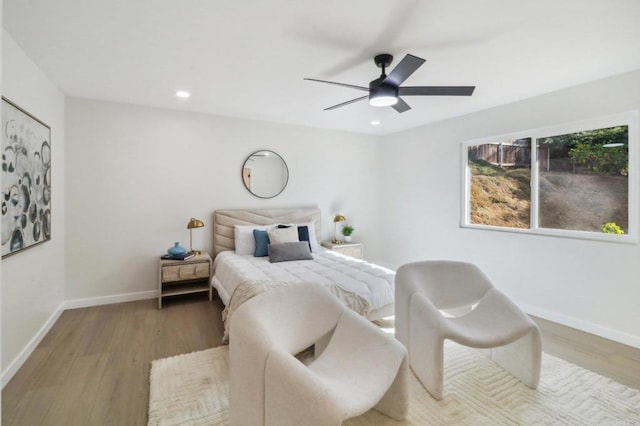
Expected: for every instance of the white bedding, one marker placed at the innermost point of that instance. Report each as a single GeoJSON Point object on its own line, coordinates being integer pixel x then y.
{"type": "Point", "coordinates": [372, 282]}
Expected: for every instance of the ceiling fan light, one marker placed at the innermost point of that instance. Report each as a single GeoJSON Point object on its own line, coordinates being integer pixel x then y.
{"type": "Point", "coordinates": [382, 95]}
{"type": "Point", "coordinates": [382, 101]}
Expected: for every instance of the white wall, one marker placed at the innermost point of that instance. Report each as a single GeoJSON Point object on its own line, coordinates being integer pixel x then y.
{"type": "Point", "coordinates": [135, 176]}
{"type": "Point", "coordinates": [33, 280]}
{"type": "Point", "coordinates": [586, 284]}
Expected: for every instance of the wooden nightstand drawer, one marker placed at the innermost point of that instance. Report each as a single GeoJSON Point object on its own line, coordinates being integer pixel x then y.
{"type": "Point", "coordinates": [192, 271]}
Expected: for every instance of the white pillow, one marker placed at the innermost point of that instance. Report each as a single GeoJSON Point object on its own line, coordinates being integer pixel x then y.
{"type": "Point", "coordinates": [283, 235]}
{"type": "Point", "coordinates": [312, 233]}
{"type": "Point", "coordinates": [244, 240]}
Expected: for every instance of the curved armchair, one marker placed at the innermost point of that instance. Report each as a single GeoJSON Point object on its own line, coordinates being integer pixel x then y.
{"type": "Point", "coordinates": [356, 366]}
{"type": "Point", "coordinates": [438, 300]}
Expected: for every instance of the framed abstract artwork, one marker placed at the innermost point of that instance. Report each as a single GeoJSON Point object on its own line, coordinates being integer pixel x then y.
{"type": "Point", "coordinates": [26, 180]}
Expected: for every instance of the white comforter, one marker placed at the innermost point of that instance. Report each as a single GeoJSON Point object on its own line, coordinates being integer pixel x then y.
{"type": "Point", "coordinates": [372, 282]}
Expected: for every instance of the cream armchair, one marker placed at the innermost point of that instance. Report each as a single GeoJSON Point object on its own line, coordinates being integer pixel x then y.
{"type": "Point", "coordinates": [438, 300]}
{"type": "Point", "coordinates": [356, 367]}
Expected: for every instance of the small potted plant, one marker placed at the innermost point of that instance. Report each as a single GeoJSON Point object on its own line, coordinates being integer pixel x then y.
{"type": "Point", "coordinates": [347, 230]}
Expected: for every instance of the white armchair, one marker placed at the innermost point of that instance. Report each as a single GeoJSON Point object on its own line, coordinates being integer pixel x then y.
{"type": "Point", "coordinates": [438, 300]}
{"type": "Point", "coordinates": [356, 367]}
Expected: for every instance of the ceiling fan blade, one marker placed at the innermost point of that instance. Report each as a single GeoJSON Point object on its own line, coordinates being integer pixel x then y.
{"type": "Point", "coordinates": [362, 98]}
{"type": "Point", "coordinates": [366, 89]}
{"type": "Point", "coordinates": [404, 69]}
{"type": "Point", "coordinates": [401, 106]}
{"type": "Point", "coordinates": [436, 90]}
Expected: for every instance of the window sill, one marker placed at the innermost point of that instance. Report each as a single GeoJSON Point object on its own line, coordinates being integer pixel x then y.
{"type": "Point", "coordinates": [579, 235]}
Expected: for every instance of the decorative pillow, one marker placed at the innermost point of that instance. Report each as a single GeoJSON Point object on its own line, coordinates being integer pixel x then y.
{"type": "Point", "coordinates": [262, 242]}
{"type": "Point", "coordinates": [283, 235]}
{"type": "Point", "coordinates": [285, 252]}
{"type": "Point", "coordinates": [310, 233]}
{"type": "Point", "coordinates": [303, 233]}
{"type": "Point", "coordinates": [244, 240]}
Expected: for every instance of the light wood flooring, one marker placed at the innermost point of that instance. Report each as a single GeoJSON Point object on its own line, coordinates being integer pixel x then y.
{"type": "Point", "coordinates": [617, 361]}
{"type": "Point", "coordinates": [92, 368]}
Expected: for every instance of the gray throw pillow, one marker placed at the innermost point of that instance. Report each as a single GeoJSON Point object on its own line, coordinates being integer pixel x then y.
{"type": "Point", "coordinates": [285, 252]}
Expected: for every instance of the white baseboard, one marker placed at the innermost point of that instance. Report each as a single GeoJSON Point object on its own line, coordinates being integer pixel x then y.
{"type": "Point", "coordinates": [108, 300]}
{"type": "Point", "coordinates": [598, 330]}
{"type": "Point", "coordinates": [15, 365]}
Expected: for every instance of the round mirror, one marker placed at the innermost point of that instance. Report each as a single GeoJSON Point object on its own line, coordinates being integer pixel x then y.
{"type": "Point", "coordinates": [265, 174]}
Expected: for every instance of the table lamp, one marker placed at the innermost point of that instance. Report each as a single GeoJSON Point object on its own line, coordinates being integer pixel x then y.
{"type": "Point", "coordinates": [336, 221]}
{"type": "Point", "coordinates": [193, 223]}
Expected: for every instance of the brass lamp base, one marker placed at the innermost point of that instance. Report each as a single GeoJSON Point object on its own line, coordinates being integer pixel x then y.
{"type": "Point", "coordinates": [193, 223]}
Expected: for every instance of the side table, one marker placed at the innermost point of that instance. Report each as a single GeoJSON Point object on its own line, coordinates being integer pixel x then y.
{"type": "Point", "coordinates": [349, 249]}
{"type": "Point", "coordinates": [178, 277]}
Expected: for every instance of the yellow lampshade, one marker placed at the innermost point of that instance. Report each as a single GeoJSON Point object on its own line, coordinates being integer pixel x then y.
{"type": "Point", "coordinates": [195, 223]}
{"type": "Point", "coordinates": [339, 218]}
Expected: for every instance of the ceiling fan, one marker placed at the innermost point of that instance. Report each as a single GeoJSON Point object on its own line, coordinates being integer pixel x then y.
{"type": "Point", "coordinates": [386, 90]}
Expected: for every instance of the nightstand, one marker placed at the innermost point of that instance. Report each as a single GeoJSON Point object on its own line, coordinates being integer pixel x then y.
{"type": "Point", "coordinates": [350, 249]}
{"type": "Point", "coordinates": [184, 277]}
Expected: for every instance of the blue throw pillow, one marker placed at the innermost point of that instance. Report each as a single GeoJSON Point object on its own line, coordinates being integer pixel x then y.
{"type": "Point", "coordinates": [262, 243]}
{"type": "Point", "coordinates": [303, 233]}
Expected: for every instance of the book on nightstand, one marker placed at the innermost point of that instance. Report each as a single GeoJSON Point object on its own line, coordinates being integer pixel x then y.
{"type": "Point", "coordinates": [186, 256]}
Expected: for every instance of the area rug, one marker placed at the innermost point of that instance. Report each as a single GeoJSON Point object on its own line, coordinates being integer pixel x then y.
{"type": "Point", "coordinates": [192, 389]}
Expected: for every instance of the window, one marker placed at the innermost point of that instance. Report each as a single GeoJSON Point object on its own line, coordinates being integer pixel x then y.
{"type": "Point", "coordinates": [574, 180]}
{"type": "Point", "coordinates": [500, 179]}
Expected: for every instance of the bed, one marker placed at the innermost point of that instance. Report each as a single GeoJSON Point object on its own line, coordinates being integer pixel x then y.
{"type": "Point", "coordinates": [364, 287]}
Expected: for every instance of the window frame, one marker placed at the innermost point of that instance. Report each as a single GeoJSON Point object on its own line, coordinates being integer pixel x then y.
{"type": "Point", "coordinates": [629, 119]}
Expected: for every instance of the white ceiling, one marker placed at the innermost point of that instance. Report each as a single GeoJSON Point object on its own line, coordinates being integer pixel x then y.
{"type": "Point", "coordinates": [248, 58]}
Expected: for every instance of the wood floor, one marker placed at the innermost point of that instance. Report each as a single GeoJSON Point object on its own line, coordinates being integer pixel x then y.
{"type": "Point", "coordinates": [617, 361]}
{"type": "Point", "coordinates": [92, 368]}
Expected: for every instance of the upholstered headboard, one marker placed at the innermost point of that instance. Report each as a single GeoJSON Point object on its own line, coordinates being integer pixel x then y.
{"type": "Point", "coordinates": [225, 220]}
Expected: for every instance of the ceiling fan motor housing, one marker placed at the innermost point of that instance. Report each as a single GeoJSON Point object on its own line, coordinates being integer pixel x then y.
{"type": "Point", "coordinates": [382, 94]}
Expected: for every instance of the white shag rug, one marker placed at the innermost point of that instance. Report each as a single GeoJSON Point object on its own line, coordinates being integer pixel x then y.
{"type": "Point", "coordinates": [192, 389]}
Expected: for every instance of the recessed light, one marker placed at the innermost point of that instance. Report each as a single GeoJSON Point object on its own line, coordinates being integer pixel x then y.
{"type": "Point", "coordinates": [375, 122]}
{"type": "Point", "coordinates": [183, 94]}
